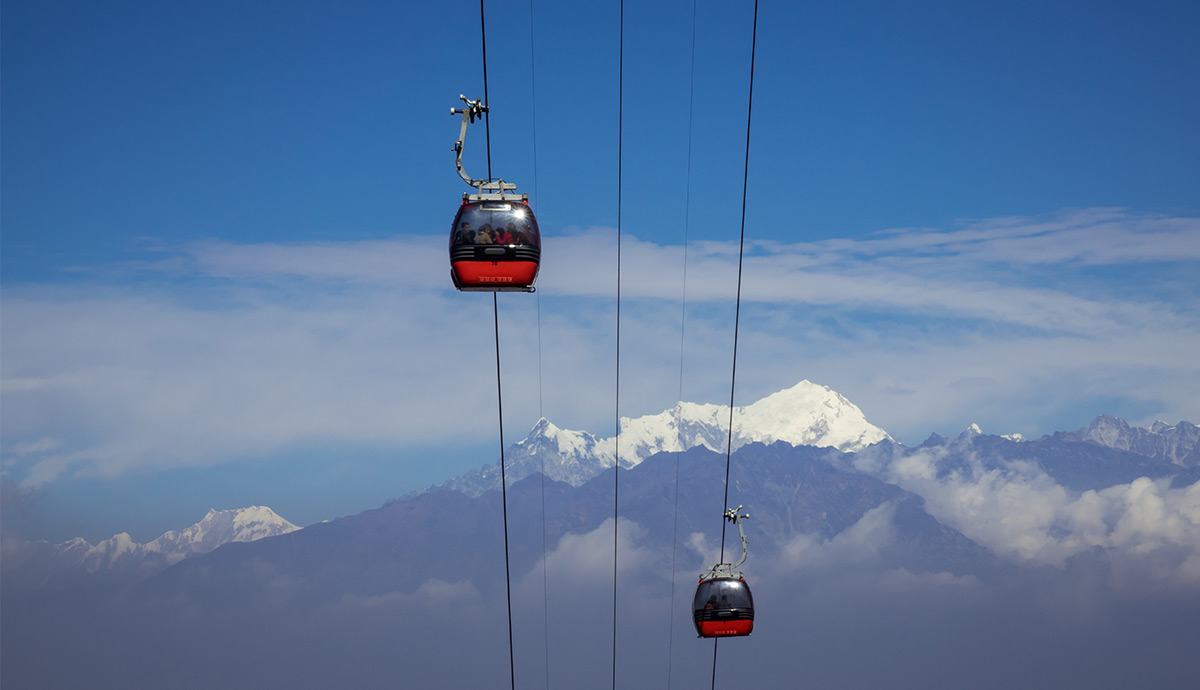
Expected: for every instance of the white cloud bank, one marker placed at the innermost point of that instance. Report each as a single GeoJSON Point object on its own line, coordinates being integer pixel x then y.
{"type": "Point", "coordinates": [1020, 513]}
{"type": "Point", "coordinates": [221, 351]}
{"type": "Point", "coordinates": [586, 560]}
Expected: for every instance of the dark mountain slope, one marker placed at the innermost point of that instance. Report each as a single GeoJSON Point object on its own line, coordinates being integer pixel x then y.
{"type": "Point", "coordinates": [448, 536]}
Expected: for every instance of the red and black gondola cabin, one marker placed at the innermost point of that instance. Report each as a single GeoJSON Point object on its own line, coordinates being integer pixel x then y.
{"type": "Point", "coordinates": [723, 607]}
{"type": "Point", "coordinates": [495, 246]}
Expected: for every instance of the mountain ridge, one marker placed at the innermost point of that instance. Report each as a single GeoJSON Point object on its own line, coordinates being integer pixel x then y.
{"type": "Point", "coordinates": [798, 493]}
{"type": "Point", "coordinates": [120, 558]}
{"type": "Point", "coordinates": [1178, 444]}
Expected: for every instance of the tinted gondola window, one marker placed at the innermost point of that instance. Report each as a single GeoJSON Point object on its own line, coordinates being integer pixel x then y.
{"type": "Point", "coordinates": [496, 222]}
{"type": "Point", "coordinates": [723, 594]}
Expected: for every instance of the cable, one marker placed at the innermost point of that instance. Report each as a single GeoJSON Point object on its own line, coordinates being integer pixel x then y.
{"type": "Point", "coordinates": [512, 669]}
{"type": "Point", "coordinates": [487, 124]}
{"type": "Point", "coordinates": [687, 203]}
{"type": "Point", "coordinates": [741, 251]}
{"type": "Point", "coordinates": [617, 438]}
{"type": "Point", "coordinates": [714, 672]}
{"type": "Point", "coordinates": [738, 304]}
{"type": "Point", "coordinates": [538, 301]}
{"type": "Point", "coordinates": [533, 111]}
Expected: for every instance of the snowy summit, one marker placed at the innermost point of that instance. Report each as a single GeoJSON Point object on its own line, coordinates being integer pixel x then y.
{"type": "Point", "coordinates": [807, 414]}
{"type": "Point", "coordinates": [218, 527]}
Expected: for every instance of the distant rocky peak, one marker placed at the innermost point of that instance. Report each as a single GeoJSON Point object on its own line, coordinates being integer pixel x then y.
{"type": "Point", "coordinates": [1178, 444]}
{"type": "Point", "coordinates": [1183, 428]}
{"type": "Point", "coordinates": [1109, 431]}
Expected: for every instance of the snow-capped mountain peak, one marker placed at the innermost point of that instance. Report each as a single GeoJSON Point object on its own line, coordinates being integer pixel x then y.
{"type": "Point", "coordinates": [218, 527]}
{"type": "Point", "coordinates": [545, 436]}
{"type": "Point", "coordinates": [807, 414]}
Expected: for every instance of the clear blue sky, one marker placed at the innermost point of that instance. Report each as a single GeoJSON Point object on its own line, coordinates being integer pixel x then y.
{"type": "Point", "coordinates": [224, 279]}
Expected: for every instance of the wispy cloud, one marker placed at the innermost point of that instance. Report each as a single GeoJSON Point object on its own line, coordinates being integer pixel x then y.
{"type": "Point", "coordinates": [1006, 271]}
{"type": "Point", "coordinates": [1095, 236]}
{"type": "Point", "coordinates": [217, 351]}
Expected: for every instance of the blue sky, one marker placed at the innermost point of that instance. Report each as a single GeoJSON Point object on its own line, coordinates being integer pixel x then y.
{"type": "Point", "coordinates": [224, 279]}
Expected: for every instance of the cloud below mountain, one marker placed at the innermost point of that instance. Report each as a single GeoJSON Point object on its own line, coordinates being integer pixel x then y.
{"type": "Point", "coordinates": [1016, 509]}
{"type": "Point", "coordinates": [862, 543]}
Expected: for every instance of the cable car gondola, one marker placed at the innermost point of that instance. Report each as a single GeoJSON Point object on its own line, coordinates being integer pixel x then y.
{"type": "Point", "coordinates": [495, 245]}
{"type": "Point", "coordinates": [723, 605]}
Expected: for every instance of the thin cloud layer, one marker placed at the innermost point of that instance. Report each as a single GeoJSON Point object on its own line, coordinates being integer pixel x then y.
{"type": "Point", "coordinates": [432, 592]}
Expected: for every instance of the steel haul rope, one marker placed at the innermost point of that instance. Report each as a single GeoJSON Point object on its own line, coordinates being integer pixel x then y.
{"type": "Point", "coordinates": [504, 495]}
{"type": "Point", "coordinates": [617, 438]}
{"type": "Point", "coordinates": [538, 301]}
{"type": "Point", "coordinates": [738, 303]}
{"type": "Point", "coordinates": [512, 672]}
{"type": "Point", "coordinates": [682, 339]}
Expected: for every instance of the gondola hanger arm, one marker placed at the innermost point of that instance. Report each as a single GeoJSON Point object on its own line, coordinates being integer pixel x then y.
{"type": "Point", "coordinates": [726, 569]}
{"type": "Point", "coordinates": [733, 516]}
{"type": "Point", "coordinates": [473, 109]}
{"type": "Point", "coordinates": [484, 189]}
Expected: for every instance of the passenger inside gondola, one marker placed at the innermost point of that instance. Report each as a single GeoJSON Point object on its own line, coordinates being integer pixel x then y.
{"type": "Point", "coordinates": [499, 223]}
{"type": "Point", "coordinates": [727, 594]}
{"type": "Point", "coordinates": [465, 234]}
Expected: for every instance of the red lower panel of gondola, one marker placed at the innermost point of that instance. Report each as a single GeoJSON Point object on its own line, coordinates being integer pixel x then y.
{"type": "Point", "coordinates": [724, 628]}
{"type": "Point", "coordinates": [494, 274]}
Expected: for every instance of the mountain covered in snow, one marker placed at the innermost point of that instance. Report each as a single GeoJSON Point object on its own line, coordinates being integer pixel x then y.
{"type": "Point", "coordinates": [807, 414]}
{"type": "Point", "coordinates": [120, 557]}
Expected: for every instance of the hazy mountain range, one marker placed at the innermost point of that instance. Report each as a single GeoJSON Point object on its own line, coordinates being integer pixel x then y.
{"type": "Point", "coordinates": [806, 426]}
{"type": "Point", "coordinates": [1178, 444]}
{"type": "Point", "coordinates": [931, 554]}
{"type": "Point", "coordinates": [119, 557]}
